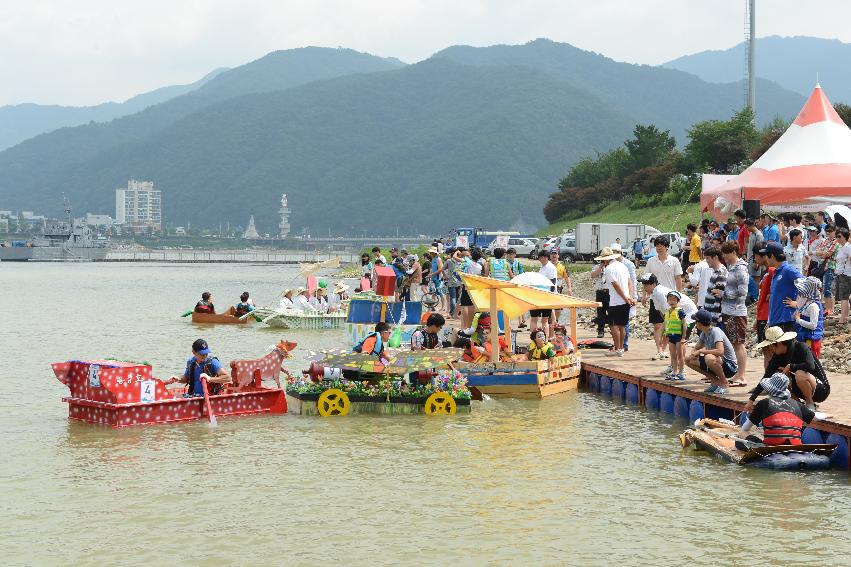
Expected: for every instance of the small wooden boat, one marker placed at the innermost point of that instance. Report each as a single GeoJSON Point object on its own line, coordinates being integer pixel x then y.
{"type": "Point", "coordinates": [121, 394]}
{"type": "Point", "coordinates": [524, 378]}
{"type": "Point", "coordinates": [719, 438]}
{"type": "Point", "coordinates": [229, 317]}
{"type": "Point", "coordinates": [304, 320]}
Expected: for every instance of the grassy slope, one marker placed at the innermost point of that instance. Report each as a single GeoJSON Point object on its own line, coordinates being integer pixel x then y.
{"type": "Point", "coordinates": [662, 218]}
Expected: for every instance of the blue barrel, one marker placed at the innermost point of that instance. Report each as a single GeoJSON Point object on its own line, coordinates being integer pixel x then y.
{"type": "Point", "coordinates": [605, 385]}
{"type": "Point", "coordinates": [666, 402]}
{"type": "Point", "coordinates": [715, 412]}
{"type": "Point", "coordinates": [592, 381]}
{"type": "Point", "coordinates": [812, 436]}
{"type": "Point", "coordinates": [695, 411]}
{"type": "Point", "coordinates": [839, 459]}
{"type": "Point", "coordinates": [651, 399]}
{"type": "Point", "coordinates": [617, 389]}
{"type": "Point", "coordinates": [681, 406]}
{"type": "Point", "coordinates": [632, 393]}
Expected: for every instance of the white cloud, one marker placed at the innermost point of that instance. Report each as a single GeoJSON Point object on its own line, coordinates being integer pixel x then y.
{"type": "Point", "coordinates": [87, 52]}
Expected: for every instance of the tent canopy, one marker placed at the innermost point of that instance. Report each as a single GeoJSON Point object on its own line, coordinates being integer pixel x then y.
{"type": "Point", "coordinates": [808, 167]}
{"type": "Point", "coordinates": [514, 299]}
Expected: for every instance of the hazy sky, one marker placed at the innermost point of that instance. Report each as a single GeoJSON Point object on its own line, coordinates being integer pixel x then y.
{"type": "Point", "coordinates": [90, 51]}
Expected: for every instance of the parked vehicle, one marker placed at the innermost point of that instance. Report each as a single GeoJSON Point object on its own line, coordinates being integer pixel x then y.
{"type": "Point", "coordinates": [542, 246]}
{"type": "Point", "coordinates": [524, 246]}
{"type": "Point", "coordinates": [481, 238]}
{"type": "Point", "coordinates": [591, 237]}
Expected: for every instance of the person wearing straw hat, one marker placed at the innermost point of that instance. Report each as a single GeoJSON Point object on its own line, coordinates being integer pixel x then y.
{"type": "Point", "coordinates": [712, 355]}
{"type": "Point", "coordinates": [620, 300]}
{"type": "Point", "coordinates": [336, 299]}
{"type": "Point", "coordinates": [791, 357]}
{"type": "Point", "coordinates": [287, 299]}
{"type": "Point", "coordinates": [301, 302]}
{"type": "Point", "coordinates": [781, 417]}
{"type": "Point", "coordinates": [809, 313]}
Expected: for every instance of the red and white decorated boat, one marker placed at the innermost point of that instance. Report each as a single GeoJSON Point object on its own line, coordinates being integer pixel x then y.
{"type": "Point", "coordinates": [121, 394]}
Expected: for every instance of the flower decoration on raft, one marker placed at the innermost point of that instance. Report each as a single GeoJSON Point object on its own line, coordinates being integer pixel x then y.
{"type": "Point", "coordinates": [450, 381]}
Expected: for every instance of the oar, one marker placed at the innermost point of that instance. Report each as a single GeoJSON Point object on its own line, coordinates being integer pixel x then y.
{"type": "Point", "coordinates": [210, 413]}
{"type": "Point", "coordinates": [188, 313]}
{"type": "Point", "coordinates": [745, 442]}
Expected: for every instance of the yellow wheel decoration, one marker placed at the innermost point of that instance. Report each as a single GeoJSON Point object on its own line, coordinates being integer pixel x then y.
{"type": "Point", "coordinates": [440, 402]}
{"type": "Point", "coordinates": [333, 402]}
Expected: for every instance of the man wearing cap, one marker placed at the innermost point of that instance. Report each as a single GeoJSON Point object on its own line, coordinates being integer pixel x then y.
{"type": "Point", "coordinates": [633, 288]}
{"type": "Point", "coordinates": [712, 355]}
{"type": "Point", "coordinates": [770, 230]}
{"type": "Point", "coordinates": [782, 287]}
{"type": "Point", "coordinates": [790, 356]}
{"type": "Point", "coordinates": [620, 301]}
{"type": "Point", "coordinates": [201, 365]}
{"type": "Point", "coordinates": [782, 418]}
{"type": "Point", "coordinates": [734, 314]}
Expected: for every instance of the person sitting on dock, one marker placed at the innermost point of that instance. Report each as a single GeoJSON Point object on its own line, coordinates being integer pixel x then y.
{"type": "Point", "coordinates": [202, 365]}
{"type": "Point", "coordinates": [712, 355]}
{"type": "Point", "coordinates": [206, 304]}
{"type": "Point", "coordinates": [427, 338]}
{"type": "Point", "coordinates": [472, 353]}
{"type": "Point", "coordinates": [790, 356]}
{"type": "Point", "coordinates": [540, 348]}
{"type": "Point", "coordinates": [287, 299]}
{"type": "Point", "coordinates": [782, 418]}
{"type": "Point", "coordinates": [244, 306]}
{"type": "Point", "coordinates": [375, 342]}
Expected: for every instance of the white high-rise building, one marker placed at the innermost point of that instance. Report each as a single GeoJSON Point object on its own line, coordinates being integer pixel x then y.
{"type": "Point", "coordinates": [284, 211]}
{"type": "Point", "coordinates": [139, 206]}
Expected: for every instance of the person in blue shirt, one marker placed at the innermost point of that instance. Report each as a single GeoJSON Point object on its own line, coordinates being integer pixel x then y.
{"type": "Point", "coordinates": [202, 365]}
{"type": "Point", "coordinates": [770, 230]}
{"type": "Point", "coordinates": [782, 287]}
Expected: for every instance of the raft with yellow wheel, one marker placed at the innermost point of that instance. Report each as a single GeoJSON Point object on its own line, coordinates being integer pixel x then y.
{"type": "Point", "coordinates": [340, 383]}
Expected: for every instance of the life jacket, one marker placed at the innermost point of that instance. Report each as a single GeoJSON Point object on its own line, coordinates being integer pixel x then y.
{"type": "Point", "coordinates": [499, 269]}
{"type": "Point", "coordinates": [812, 334]}
{"type": "Point", "coordinates": [430, 340]}
{"type": "Point", "coordinates": [674, 322]}
{"type": "Point", "coordinates": [784, 423]}
{"type": "Point", "coordinates": [204, 307]}
{"type": "Point", "coordinates": [561, 346]}
{"type": "Point", "coordinates": [242, 308]}
{"type": "Point", "coordinates": [539, 353]}
{"type": "Point", "coordinates": [371, 344]}
{"type": "Point", "coordinates": [213, 389]}
{"type": "Point", "coordinates": [502, 346]}
{"type": "Point", "coordinates": [516, 267]}
{"type": "Point", "coordinates": [478, 355]}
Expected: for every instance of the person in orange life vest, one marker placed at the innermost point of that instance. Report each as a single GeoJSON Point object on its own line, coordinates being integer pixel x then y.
{"type": "Point", "coordinates": [472, 353]}
{"type": "Point", "coordinates": [206, 304]}
{"type": "Point", "coordinates": [375, 342]}
{"type": "Point", "coordinates": [782, 418]}
{"type": "Point", "coordinates": [561, 342]}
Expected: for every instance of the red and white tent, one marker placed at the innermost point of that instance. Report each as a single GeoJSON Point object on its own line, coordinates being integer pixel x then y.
{"type": "Point", "coordinates": [807, 168]}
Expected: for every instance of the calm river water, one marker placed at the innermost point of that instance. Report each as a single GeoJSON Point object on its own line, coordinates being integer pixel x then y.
{"type": "Point", "coordinates": [572, 480]}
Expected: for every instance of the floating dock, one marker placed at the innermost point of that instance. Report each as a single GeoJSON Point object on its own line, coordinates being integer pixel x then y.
{"type": "Point", "coordinates": [636, 379]}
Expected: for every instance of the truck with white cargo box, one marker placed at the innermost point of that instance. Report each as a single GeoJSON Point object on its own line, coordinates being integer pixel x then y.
{"type": "Point", "coordinates": [591, 237]}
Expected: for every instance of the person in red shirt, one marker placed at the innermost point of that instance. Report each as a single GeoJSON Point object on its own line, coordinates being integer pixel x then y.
{"type": "Point", "coordinates": [762, 301]}
{"type": "Point", "coordinates": [743, 232]}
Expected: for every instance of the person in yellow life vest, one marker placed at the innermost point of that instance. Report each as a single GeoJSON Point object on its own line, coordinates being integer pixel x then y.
{"type": "Point", "coordinates": [675, 329]}
{"type": "Point", "coordinates": [540, 348]}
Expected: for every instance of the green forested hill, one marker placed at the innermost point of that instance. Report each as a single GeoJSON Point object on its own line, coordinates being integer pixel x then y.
{"type": "Point", "coordinates": [467, 137]}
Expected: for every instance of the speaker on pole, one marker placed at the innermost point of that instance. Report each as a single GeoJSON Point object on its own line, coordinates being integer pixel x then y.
{"type": "Point", "coordinates": [751, 207]}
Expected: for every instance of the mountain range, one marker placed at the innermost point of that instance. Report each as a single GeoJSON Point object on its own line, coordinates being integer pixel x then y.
{"type": "Point", "coordinates": [795, 63]}
{"type": "Point", "coordinates": [362, 143]}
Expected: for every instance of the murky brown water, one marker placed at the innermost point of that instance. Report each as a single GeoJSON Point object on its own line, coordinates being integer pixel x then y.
{"type": "Point", "coordinates": [573, 480]}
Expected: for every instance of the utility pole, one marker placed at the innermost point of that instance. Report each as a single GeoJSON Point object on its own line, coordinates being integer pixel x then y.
{"type": "Point", "coordinates": [751, 47]}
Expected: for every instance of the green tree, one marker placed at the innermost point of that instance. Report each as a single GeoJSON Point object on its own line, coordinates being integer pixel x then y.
{"type": "Point", "coordinates": [590, 171]}
{"type": "Point", "coordinates": [844, 112]}
{"type": "Point", "coordinates": [649, 146]}
{"type": "Point", "coordinates": [722, 145]}
{"type": "Point", "coordinates": [769, 134]}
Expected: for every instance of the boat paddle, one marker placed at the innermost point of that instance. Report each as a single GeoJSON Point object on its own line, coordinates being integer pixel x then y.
{"type": "Point", "coordinates": [741, 444]}
{"type": "Point", "coordinates": [188, 313]}
{"type": "Point", "coordinates": [207, 404]}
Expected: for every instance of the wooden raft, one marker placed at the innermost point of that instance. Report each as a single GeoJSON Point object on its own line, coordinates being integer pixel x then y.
{"type": "Point", "coordinates": [524, 378]}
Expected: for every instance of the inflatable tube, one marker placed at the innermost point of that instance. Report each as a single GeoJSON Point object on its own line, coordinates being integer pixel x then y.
{"type": "Point", "coordinates": [632, 393]}
{"type": "Point", "coordinates": [695, 411]}
{"type": "Point", "coordinates": [592, 381]}
{"type": "Point", "coordinates": [605, 385]}
{"type": "Point", "coordinates": [812, 436]}
{"type": "Point", "coordinates": [839, 459]}
{"type": "Point", "coordinates": [617, 389]}
{"type": "Point", "coordinates": [651, 399]}
{"type": "Point", "coordinates": [681, 406]}
{"type": "Point", "coordinates": [793, 461]}
{"type": "Point", "coordinates": [666, 402]}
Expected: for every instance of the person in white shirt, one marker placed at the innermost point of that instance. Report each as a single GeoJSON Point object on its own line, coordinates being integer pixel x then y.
{"type": "Point", "coordinates": [698, 276]}
{"type": "Point", "coordinates": [301, 302]}
{"type": "Point", "coordinates": [796, 251]}
{"type": "Point", "coordinates": [843, 273]}
{"type": "Point", "coordinates": [287, 299]}
{"type": "Point", "coordinates": [633, 288]}
{"type": "Point", "coordinates": [620, 301]}
{"type": "Point", "coordinates": [319, 301]}
{"type": "Point", "coordinates": [665, 267]}
{"type": "Point", "coordinates": [540, 318]}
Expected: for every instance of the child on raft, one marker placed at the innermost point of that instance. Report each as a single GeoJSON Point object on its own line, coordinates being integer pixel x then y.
{"type": "Point", "coordinates": [540, 348]}
{"type": "Point", "coordinates": [674, 329]}
{"type": "Point", "coordinates": [560, 341]}
{"type": "Point", "coordinates": [809, 313]}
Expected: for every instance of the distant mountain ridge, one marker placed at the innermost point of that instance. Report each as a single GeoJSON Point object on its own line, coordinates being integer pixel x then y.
{"type": "Point", "coordinates": [792, 62]}
{"type": "Point", "coordinates": [470, 135]}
